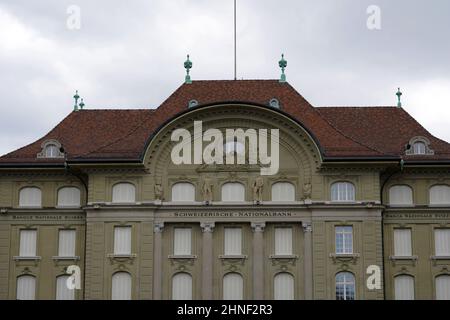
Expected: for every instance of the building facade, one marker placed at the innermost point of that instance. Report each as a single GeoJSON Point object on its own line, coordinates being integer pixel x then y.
{"type": "Point", "coordinates": [359, 208]}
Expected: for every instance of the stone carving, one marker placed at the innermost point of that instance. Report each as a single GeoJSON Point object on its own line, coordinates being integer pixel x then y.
{"type": "Point", "coordinates": [307, 190]}
{"type": "Point", "coordinates": [258, 186]}
{"type": "Point", "coordinates": [159, 193]}
{"type": "Point", "coordinates": [207, 190]}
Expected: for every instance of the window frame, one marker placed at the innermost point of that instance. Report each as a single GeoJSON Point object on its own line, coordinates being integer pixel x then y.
{"type": "Point", "coordinates": [345, 285]}
{"type": "Point", "coordinates": [344, 234]}
{"type": "Point", "coordinates": [338, 184]}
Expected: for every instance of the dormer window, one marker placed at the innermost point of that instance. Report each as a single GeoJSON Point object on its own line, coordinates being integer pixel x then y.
{"type": "Point", "coordinates": [419, 146]}
{"type": "Point", "coordinates": [192, 104]}
{"type": "Point", "coordinates": [274, 103]}
{"type": "Point", "coordinates": [51, 149]}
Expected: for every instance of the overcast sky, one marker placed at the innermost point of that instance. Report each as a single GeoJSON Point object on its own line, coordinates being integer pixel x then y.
{"type": "Point", "coordinates": [130, 54]}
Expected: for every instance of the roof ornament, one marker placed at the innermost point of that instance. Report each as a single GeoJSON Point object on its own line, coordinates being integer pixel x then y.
{"type": "Point", "coordinates": [283, 64]}
{"type": "Point", "coordinates": [399, 96]}
{"type": "Point", "coordinates": [188, 67]}
{"type": "Point", "coordinates": [76, 97]}
{"type": "Point", "coordinates": [82, 104]}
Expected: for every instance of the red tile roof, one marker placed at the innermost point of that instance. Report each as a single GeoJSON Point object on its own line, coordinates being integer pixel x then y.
{"type": "Point", "coordinates": [344, 132]}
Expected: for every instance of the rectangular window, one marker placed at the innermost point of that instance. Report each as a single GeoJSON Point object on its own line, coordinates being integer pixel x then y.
{"type": "Point", "coordinates": [344, 240]}
{"type": "Point", "coordinates": [66, 244]}
{"type": "Point", "coordinates": [28, 243]}
{"type": "Point", "coordinates": [283, 241]}
{"type": "Point", "coordinates": [233, 241]}
{"type": "Point", "coordinates": [182, 241]}
{"type": "Point", "coordinates": [442, 242]}
{"type": "Point", "coordinates": [122, 240]}
{"type": "Point", "coordinates": [402, 243]}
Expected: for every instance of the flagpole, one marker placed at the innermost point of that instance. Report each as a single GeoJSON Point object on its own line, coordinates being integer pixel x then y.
{"type": "Point", "coordinates": [235, 43]}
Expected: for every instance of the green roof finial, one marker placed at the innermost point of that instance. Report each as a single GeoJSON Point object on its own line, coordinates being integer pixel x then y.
{"type": "Point", "coordinates": [76, 97]}
{"type": "Point", "coordinates": [283, 64]}
{"type": "Point", "coordinates": [82, 104]}
{"type": "Point", "coordinates": [399, 96]}
{"type": "Point", "coordinates": [188, 67]}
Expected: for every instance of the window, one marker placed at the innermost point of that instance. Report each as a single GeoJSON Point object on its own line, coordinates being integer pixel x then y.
{"type": "Point", "coordinates": [182, 241]}
{"type": "Point", "coordinates": [283, 241]}
{"type": "Point", "coordinates": [345, 286]}
{"type": "Point", "coordinates": [52, 151]}
{"type": "Point", "coordinates": [342, 191]}
{"type": "Point", "coordinates": [402, 243]}
{"type": "Point", "coordinates": [400, 196]}
{"type": "Point", "coordinates": [404, 288]}
{"type": "Point", "coordinates": [30, 197]}
{"type": "Point", "coordinates": [62, 291]}
{"type": "Point", "coordinates": [124, 193]}
{"type": "Point", "coordinates": [183, 192]}
{"type": "Point", "coordinates": [27, 243]}
{"type": "Point", "coordinates": [233, 241]}
{"type": "Point", "coordinates": [233, 192]}
{"type": "Point", "coordinates": [121, 286]}
{"type": "Point", "coordinates": [233, 287]}
{"type": "Point", "coordinates": [66, 244]}
{"type": "Point", "coordinates": [69, 197]}
{"type": "Point", "coordinates": [182, 286]}
{"type": "Point", "coordinates": [344, 240]}
{"type": "Point", "coordinates": [283, 286]}
{"type": "Point", "coordinates": [442, 242]}
{"type": "Point", "coordinates": [440, 195]}
{"type": "Point", "coordinates": [419, 148]}
{"type": "Point", "coordinates": [26, 288]}
{"type": "Point", "coordinates": [122, 240]}
{"type": "Point", "coordinates": [283, 191]}
{"type": "Point", "coordinates": [443, 287]}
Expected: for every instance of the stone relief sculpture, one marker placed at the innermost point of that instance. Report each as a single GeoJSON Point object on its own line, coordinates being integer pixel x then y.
{"type": "Point", "coordinates": [159, 193]}
{"type": "Point", "coordinates": [258, 186]}
{"type": "Point", "coordinates": [207, 190]}
{"type": "Point", "coordinates": [307, 190]}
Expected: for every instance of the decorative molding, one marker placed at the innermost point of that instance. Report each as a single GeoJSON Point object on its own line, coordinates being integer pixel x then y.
{"type": "Point", "coordinates": [158, 227]}
{"type": "Point", "coordinates": [121, 258]}
{"type": "Point", "coordinates": [307, 227]}
{"type": "Point", "coordinates": [284, 260]}
{"type": "Point", "coordinates": [345, 258]}
{"type": "Point", "coordinates": [207, 226]}
{"type": "Point", "coordinates": [412, 260]}
{"type": "Point", "coordinates": [258, 226]}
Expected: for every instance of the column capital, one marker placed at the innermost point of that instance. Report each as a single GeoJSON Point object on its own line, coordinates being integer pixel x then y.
{"type": "Point", "coordinates": [158, 227]}
{"type": "Point", "coordinates": [207, 226]}
{"type": "Point", "coordinates": [307, 227]}
{"type": "Point", "coordinates": [258, 226]}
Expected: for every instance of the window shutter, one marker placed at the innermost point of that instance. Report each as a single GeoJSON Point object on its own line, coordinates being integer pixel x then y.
{"type": "Point", "coordinates": [233, 241]}
{"type": "Point", "coordinates": [182, 241]}
{"type": "Point", "coordinates": [443, 287]}
{"type": "Point", "coordinates": [402, 243]}
{"type": "Point", "coordinates": [26, 288]}
{"type": "Point", "coordinates": [442, 242]}
{"type": "Point", "coordinates": [182, 286]}
{"type": "Point", "coordinates": [30, 197]}
{"type": "Point", "coordinates": [404, 288]}
{"type": "Point", "coordinates": [233, 287]}
{"type": "Point", "coordinates": [62, 291]}
{"type": "Point", "coordinates": [67, 240]}
{"type": "Point", "coordinates": [283, 191]}
{"type": "Point", "coordinates": [121, 286]}
{"type": "Point", "coordinates": [122, 240]}
{"type": "Point", "coordinates": [69, 197]}
{"type": "Point", "coordinates": [283, 241]}
{"type": "Point", "coordinates": [283, 287]}
{"type": "Point", "coordinates": [183, 192]}
{"type": "Point", "coordinates": [27, 243]}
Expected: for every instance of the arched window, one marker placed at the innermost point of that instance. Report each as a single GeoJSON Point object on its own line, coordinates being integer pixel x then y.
{"type": "Point", "coordinates": [121, 286]}
{"type": "Point", "coordinates": [400, 196]}
{"type": "Point", "coordinates": [69, 197]}
{"type": "Point", "coordinates": [443, 287]}
{"type": "Point", "coordinates": [345, 286]}
{"type": "Point", "coordinates": [52, 151]}
{"type": "Point", "coordinates": [124, 193]}
{"type": "Point", "coordinates": [404, 287]}
{"type": "Point", "coordinates": [342, 191]}
{"type": "Point", "coordinates": [26, 288]}
{"type": "Point", "coordinates": [440, 195]}
{"type": "Point", "coordinates": [62, 291]}
{"type": "Point", "coordinates": [233, 287]}
{"type": "Point", "coordinates": [419, 148]}
{"type": "Point", "coordinates": [183, 192]}
{"type": "Point", "coordinates": [283, 286]}
{"type": "Point", "coordinates": [30, 197]}
{"type": "Point", "coordinates": [283, 191]}
{"type": "Point", "coordinates": [233, 192]}
{"type": "Point", "coordinates": [182, 286]}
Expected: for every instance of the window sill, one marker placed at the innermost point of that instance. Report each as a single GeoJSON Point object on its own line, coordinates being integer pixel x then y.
{"type": "Point", "coordinates": [61, 258]}
{"type": "Point", "coordinates": [183, 257]}
{"type": "Point", "coordinates": [345, 257]}
{"type": "Point", "coordinates": [440, 257]}
{"type": "Point", "coordinates": [404, 258]}
{"type": "Point", "coordinates": [284, 259]}
{"type": "Point", "coordinates": [283, 256]}
{"type": "Point", "coordinates": [121, 257]}
{"type": "Point", "coordinates": [233, 257]}
{"type": "Point", "coordinates": [19, 258]}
